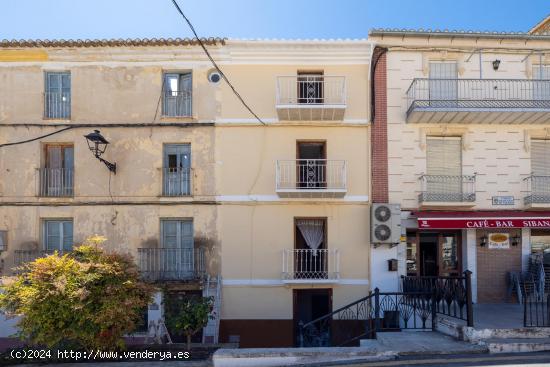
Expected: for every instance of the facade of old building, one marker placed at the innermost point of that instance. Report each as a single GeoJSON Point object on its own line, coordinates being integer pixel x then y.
{"type": "Point", "coordinates": [462, 144]}
{"type": "Point", "coordinates": [270, 216]}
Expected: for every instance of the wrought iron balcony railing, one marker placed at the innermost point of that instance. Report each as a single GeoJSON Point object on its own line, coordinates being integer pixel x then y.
{"type": "Point", "coordinates": [443, 188]}
{"type": "Point", "coordinates": [56, 182]}
{"type": "Point", "coordinates": [22, 257]}
{"type": "Point", "coordinates": [311, 90]}
{"type": "Point", "coordinates": [57, 105]}
{"type": "Point", "coordinates": [456, 94]}
{"type": "Point", "coordinates": [538, 190]}
{"type": "Point", "coordinates": [311, 174]}
{"type": "Point", "coordinates": [171, 263]}
{"type": "Point", "coordinates": [177, 103]}
{"type": "Point", "coordinates": [306, 265]}
{"type": "Point", "coordinates": [176, 181]}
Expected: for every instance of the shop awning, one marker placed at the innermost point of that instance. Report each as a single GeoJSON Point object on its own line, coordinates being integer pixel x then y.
{"type": "Point", "coordinates": [482, 219]}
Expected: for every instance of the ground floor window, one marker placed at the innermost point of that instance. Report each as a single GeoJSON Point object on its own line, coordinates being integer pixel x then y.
{"type": "Point", "coordinates": [434, 253]}
{"type": "Point", "coordinates": [540, 241]}
{"type": "Point", "coordinates": [58, 234]}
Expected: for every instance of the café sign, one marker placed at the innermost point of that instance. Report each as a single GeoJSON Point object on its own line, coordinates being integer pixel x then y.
{"type": "Point", "coordinates": [459, 223]}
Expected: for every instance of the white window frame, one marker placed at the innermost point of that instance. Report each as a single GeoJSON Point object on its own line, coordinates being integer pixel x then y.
{"type": "Point", "coordinates": [61, 234]}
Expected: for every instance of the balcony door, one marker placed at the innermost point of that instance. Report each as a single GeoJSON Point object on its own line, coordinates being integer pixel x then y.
{"type": "Point", "coordinates": [310, 248]}
{"type": "Point", "coordinates": [177, 255]}
{"type": "Point", "coordinates": [541, 85]}
{"type": "Point", "coordinates": [311, 165]}
{"type": "Point", "coordinates": [177, 98]}
{"type": "Point", "coordinates": [310, 87]}
{"type": "Point", "coordinates": [177, 170]}
{"type": "Point", "coordinates": [444, 168]}
{"type": "Point", "coordinates": [57, 175]}
{"type": "Point", "coordinates": [540, 169]}
{"type": "Point", "coordinates": [443, 84]}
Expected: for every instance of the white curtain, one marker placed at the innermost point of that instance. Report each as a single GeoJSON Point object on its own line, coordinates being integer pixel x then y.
{"type": "Point", "coordinates": [313, 232]}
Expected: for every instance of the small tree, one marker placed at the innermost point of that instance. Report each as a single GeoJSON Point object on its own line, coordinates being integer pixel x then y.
{"type": "Point", "coordinates": [189, 315]}
{"type": "Point", "coordinates": [86, 298]}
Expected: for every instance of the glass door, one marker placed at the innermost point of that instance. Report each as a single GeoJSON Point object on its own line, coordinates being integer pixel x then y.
{"type": "Point", "coordinates": [449, 250]}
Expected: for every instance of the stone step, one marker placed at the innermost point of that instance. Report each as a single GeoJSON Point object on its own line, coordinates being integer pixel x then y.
{"type": "Point", "coordinates": [519, 333]}
{"type": "Point", "coordinates": [517, 345]}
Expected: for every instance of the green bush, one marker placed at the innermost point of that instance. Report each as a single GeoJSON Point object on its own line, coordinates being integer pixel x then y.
{"type": "Point", "coordinates": [188, 315]}
{"type": "Point", "coordinates": [84, 299]}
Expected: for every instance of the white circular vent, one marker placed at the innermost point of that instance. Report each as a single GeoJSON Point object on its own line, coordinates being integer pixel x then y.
{"type": "Point", "coordinates": [214, 77]}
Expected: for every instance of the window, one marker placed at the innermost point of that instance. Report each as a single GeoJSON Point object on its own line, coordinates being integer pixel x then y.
{"type": "Point", "coordinates": [177, 95]}
{"type": "Point", "coordinates": [177, 242]}
{"type": "Point", "coordinates": [540, 151]}
{"type": "Point", "coordinates": [443, 83]}
{"type": "Point", "coordinates": [310, 87]}
{"type": "Point", "coordinates": [3, 240]}
{"type": "Point", "coordinates": [56, 177]}
{"type": "Point", "coordinates": [444, 165]}
{"type": "Point", "coordinates": [58, 235]}
{"type": "Point", "coordinates": [57, 95]}
{"type": "Point", "coordinates": [541, 89]}
{"type": "Point", "coordinates": [177, 170]}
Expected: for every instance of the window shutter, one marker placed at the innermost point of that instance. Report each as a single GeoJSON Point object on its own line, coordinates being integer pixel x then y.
{"type": "Point", "coordinates": [54, 156]}
{"type": "Point", "coordinates": [187, 234]}
{"type": "Point", "coordinates": [67, 235]}
{"type": "Point", "coordinates": [443, 156]}
{"type": "Point", "coordinates": [446, 89]}
{"type": "Point", "coordinates": [540, 157]}
{"type": "Point", "coordinates": [52, 235]}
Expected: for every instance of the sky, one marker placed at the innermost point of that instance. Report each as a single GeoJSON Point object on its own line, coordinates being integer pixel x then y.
{"type": "Point", "coordinates": [92, 19]}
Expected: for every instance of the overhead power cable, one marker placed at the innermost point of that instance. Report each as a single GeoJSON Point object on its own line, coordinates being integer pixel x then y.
{"type": "Point", "coordinates": [36, 138]}
{"type": "Point", "coordinates": [216, 65]}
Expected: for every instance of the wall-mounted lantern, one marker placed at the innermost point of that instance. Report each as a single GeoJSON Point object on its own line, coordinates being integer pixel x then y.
{"type": "Point", "coordinates": [483, 241]}
{"type": "Point", "coordinates": [496, 64]}
{"type": "Point", "coordinates": [98, 144]}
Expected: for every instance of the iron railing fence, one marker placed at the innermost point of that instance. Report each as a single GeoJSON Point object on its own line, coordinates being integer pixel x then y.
{"type": "Point", "coordinates": [536, 310]}
{"type": "Point", "coordinates": [308, 264]}
{"type": "Point", "coordinates": [538, 189]}
{"type": "Point", "coordinates": [446, 188]}
{"type": "Point", "coordinates": [452, 295]}
{"type": "Point", "coordinates": [176, 181]}
{"type": "Point", "coordinates": [362, 319]}
{"type": "Point", "coordinates": [56, 182]}
{"type": "Point", "coordinates": [478, 93]}
{"type": "Point", "coordinates": [322, 174]}
{"type": "Point", "coordinates": [57, 105]}
{"type": "Point", "coordinates": [311, 90]}
{"type": "Point", "coordinates": [22, 257]}
{"type": "Point", "coordinates": [162, 263]}
{"type": "Point", "coordinates": [177, 103]}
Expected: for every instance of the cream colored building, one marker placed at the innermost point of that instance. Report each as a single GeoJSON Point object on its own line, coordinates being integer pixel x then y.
{"type": "Point", "coordinates": [468, 117]}
{"type": "Point", "coordinates": [270, 216]}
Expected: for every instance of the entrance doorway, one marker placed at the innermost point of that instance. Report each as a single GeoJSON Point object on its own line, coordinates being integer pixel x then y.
{"type": "Point", "coordinates": [434, 254]}
{"type": "Point", "coordinates": [310, 304]}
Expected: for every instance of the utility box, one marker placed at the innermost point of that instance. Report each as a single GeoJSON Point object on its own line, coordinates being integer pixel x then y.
{"type": "Point", "coordinates": [392, 264]}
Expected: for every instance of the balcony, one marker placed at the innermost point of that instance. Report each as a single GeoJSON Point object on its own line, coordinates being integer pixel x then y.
{"type": "Point", "coordinates": [311, 178]}
{"type": "Point", "coordinates": [176, 181]}
{"type": "Point", "coordinates": [311, 97]}
{"type": "Point", "coordinates": [311, 266]}
{"type": "Point", "coordinates": [447, 191]}
{"type": "Point", "coordinates": [176, 264]}
{"type": "Point", "coordinates": [538, 192]}
{"type": "Point", "coordinates": [177, 103]}
{"type": "Point", "coordinates": [57, 105]}
{"type": "Point", "coordinates": [56, 182]}
{"type": "Point", "coordinates": [464, 101]}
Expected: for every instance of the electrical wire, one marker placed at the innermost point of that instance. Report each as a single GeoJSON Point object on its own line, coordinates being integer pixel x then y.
{"type": "Point", "coordinates": [216, 65]}
{"type": "Point", "coordinates": [36, 138]}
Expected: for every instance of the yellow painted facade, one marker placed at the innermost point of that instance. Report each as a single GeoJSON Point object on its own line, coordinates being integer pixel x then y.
{"type": "Point", "coordinates": [238, 216]}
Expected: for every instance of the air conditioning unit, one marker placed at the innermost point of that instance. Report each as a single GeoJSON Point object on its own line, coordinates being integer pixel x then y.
{"type": "Point", "coordinates": [385, 224]}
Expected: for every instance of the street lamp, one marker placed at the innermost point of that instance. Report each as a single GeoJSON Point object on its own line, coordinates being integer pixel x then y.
{"type": "Point", "coordinates": [98, 144]}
